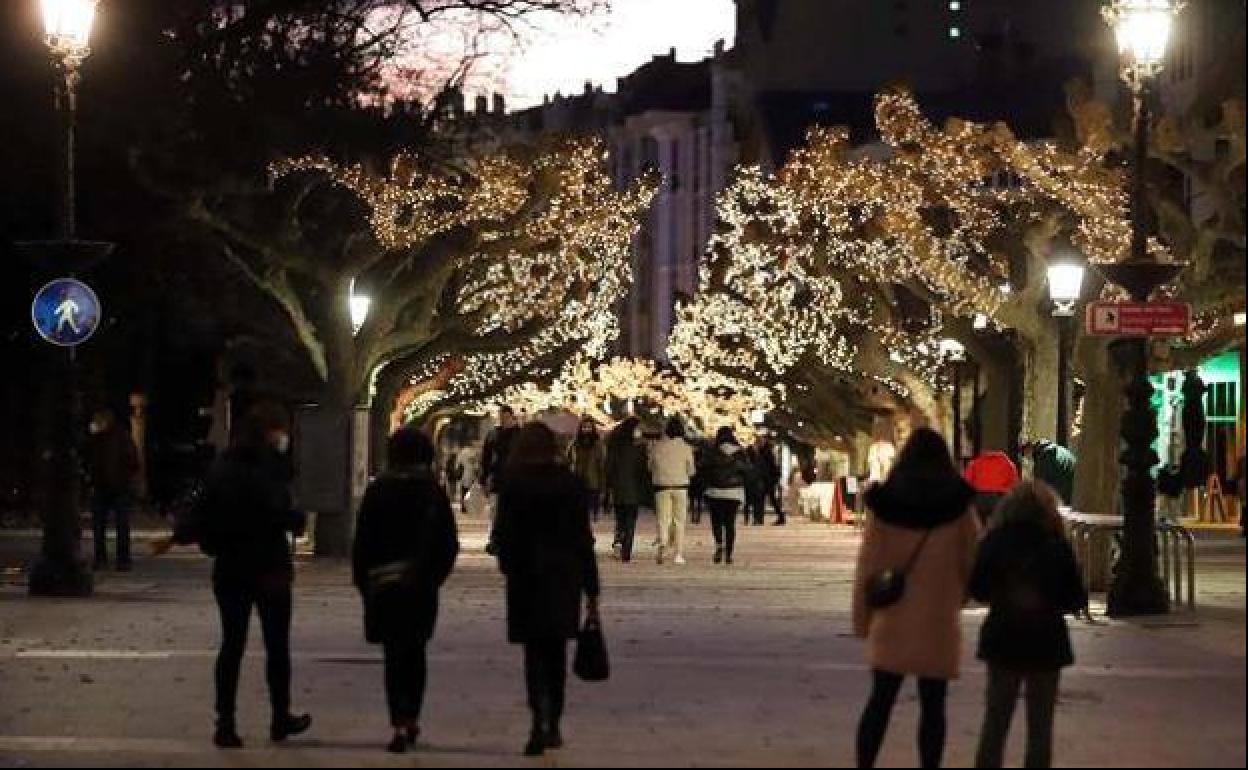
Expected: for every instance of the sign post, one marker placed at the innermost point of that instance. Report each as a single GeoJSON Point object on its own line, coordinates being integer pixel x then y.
{"type": "Point", "coordinates": [1139, 319]}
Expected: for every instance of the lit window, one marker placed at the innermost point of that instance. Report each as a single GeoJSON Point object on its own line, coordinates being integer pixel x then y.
{"type": "Point", "coordinates": [955, 32]}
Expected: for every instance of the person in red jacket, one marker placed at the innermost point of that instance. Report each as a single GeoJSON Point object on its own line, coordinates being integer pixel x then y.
{"type": "Point", "coordinates": [992, 474]}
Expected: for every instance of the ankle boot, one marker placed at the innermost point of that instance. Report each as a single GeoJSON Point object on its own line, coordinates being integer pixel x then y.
{"type": "Point", "coordinates": [289, 725]}
{"type": "Point", "coordinates": [226, 735]}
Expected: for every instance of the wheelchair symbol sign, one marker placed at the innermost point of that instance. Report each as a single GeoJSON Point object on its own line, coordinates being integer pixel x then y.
{"type": "Point", "coordinates": [66, 312]}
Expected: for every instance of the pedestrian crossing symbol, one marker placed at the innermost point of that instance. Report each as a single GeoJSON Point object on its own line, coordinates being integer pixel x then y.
{"type": "Point", "coordinates": [66, 312]}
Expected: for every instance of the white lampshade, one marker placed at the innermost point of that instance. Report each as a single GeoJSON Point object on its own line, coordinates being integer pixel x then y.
{"type": "Point", "coordinates": [1240, 318]}
{"type": "Point", "coordinates": [1066, 282]}
{"type": "Point", "coordinates": [68, 22]}
{"type": "Point", "coordinates": [1143, 30]}
{"type": "Point", "coordinates": [981, 322]}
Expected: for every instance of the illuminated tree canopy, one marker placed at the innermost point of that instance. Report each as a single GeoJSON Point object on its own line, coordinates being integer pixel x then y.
{"type": "Point", "coordinates": [853, 264]}
{"type": "Point", "coordinates": [477, 272]}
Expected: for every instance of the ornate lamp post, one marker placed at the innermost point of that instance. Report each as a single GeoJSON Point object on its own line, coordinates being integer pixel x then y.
{"type": "Point", "coordinates": [1143, 30]}
{"type": "Point", "coordinates": [1065, 287]}
{"type": "Point", "coordinates": [59, 570]}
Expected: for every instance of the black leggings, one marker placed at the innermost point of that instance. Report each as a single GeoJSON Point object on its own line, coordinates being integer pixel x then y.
{"type": "Point", "coordinates": [272, 600]}
{"type": "Point", "coordinates": [406, 674]}
{"type": "Point", "coordinates": [546, 676]}
{"type": "Point", "coordinates": [875, 717]}
{"type": "Point", "coordinates": [724, 523]}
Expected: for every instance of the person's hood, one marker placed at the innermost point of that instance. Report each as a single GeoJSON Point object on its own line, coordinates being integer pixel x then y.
{"type": "Point", "coordinates": [920, 502]}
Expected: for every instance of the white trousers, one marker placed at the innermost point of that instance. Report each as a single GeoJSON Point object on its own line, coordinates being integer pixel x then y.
{"type": "Point", "coordinates": [672, 507]}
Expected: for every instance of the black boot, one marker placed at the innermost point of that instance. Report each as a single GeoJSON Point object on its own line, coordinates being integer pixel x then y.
{"type": "Point", "coordinates": [719, 555]}
{"type": "Point", "coordinates": [537, 742]}
{"type": "Point", "coordinates": [289, 726]}
{"type": "Point", "coordinates": [226, 735]}
{"type": "Point", "coordinates": [554, 736]}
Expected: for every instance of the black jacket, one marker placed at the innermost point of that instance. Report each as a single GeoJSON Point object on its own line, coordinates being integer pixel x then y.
{"type": "Point", "coordinates": [404, 518]}
{"type": "Point", "coordinates": [244, 518]}
{"type": "Point", "coordinates": [494, 455]}
{"type": "Point", "coordinates": [546, 550]}
{"type": "Point", "coordinates": [114, 462]}
{"type": "Point", "coordinates": [1028, 576]}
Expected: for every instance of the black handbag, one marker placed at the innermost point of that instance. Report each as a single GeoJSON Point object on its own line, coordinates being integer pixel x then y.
{"type": "Point", "coordinates": [886, 588]}
{"type": "Point", "coordinates": [592, 663]}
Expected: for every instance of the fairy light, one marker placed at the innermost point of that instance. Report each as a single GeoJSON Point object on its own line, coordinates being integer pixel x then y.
{"type": "Point", "coordinates": [546, 258]}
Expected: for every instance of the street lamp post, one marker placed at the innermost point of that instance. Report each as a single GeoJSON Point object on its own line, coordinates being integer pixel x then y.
{"type": "Point", "coordinates": [1065, 287]}
{"type": "Point", "coordinates": [1142, 28]}
{"type": "Point", "coordinates": [59, 571]}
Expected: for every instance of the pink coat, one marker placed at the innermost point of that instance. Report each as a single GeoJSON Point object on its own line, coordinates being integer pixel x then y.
{"type": "Point", "coordinates": [920, 635]}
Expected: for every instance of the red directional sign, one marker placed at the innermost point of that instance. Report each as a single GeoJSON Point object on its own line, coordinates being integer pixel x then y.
{"type": "Point", "coordinates": [1139, 319]}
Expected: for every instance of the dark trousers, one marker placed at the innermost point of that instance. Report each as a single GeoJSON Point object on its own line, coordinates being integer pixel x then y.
{"type": "Point", "coordinates": [724, 523]}
{"type": "Point", "coordinates": [546, 677]}
{"type": "Point", "coordinates": [1004, 687]}
{"type": "Point", "coordinates": [696, 503]}
{"type": "Point", "coordinates": [773, 494]}
{"type": "Point", "coordinates": [625, 529]}
{"type": "Point", "coordinates": [754, 504]}
{"type": "Point", "coordinates": [406, 673]}
{"type": "Point", "coordinates": [594, 498]}
{"type": "Point", "coordinates": [272, 601]}
{"type": "Point", "coordinates": [879, 710]}
{"type": "Point", "coordinates": [117, 508]}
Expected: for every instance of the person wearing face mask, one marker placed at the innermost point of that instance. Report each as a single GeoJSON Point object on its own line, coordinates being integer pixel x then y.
{"type": "Point", "coordinates": [588, 460]}
{"type": "Point", "coordinates": [245, 521]}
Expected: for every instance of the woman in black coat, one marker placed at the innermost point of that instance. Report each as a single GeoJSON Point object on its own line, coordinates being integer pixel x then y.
{"type": "Point", "coordinates": [1026, 572]}
{"type": "Point", "coordinates": [405, 547]}
{"type": "Point", "coordinates": [244, 520]}
{"type": "Point", "coordinates": [546, 552]}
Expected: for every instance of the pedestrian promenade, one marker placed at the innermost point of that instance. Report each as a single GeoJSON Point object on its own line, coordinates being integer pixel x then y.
{"type": "Point", "coordinates": [713, 666]}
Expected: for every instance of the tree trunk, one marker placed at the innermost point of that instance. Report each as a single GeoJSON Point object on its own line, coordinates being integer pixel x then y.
{"type": "Point", "coordinates": [1040, 357]}
{"type": "Point", "coordinates": [1099, 473]}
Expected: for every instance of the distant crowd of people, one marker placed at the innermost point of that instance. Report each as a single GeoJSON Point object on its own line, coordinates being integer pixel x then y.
{"type": "Point", "coordinates": [924, 555]}
{"type": "Point", "coordinates": [627, 471]}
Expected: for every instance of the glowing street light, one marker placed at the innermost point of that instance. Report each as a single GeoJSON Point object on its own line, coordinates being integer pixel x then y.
{"type": "Point", "coordinates": [359, 305]}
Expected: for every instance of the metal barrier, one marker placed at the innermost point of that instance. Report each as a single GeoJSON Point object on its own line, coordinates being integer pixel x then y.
{"type": "Point", "coordinates": [1093, 538]}
{"type": "Point", "coordinates": [1174, 543]}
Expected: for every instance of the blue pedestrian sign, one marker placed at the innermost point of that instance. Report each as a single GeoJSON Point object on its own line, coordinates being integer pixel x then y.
{"type": "Point", "coordinates": [66, 312]}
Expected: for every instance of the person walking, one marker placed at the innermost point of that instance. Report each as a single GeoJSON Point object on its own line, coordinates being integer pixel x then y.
{"type": "Point", "coordinates": [672, 467]}
{"type": "Point", "coordinates": [114, 468]}
{"type": "Point", "coordinates": [244, 521]}
{"type": "Point", "coordinates": [727, 473]}
{"type": "Point", "coordinates": [1054, 465]}
{"type": "Point", "coordinates": [628, 481]}
{"type": "Point", "coordinates": [546, 553]}
{"type": "Point", "coordinates": [924, 528]}
{"type": "Point", "coordinates": [587, 457]}
{"type": "Point", "coordinates": [405, 548]}
{"type": "Point", "coordinates": [767, 469]}
{"type": "Point", "coordinates": [494, 453]}
{"type": "Point", "coordinates": [1026, 573]}
{"type": "Point", "coordinates": [992, 474]}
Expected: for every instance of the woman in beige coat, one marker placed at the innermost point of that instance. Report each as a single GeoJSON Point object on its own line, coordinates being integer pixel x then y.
{"type": "Point", "coordinates": [923, 523]}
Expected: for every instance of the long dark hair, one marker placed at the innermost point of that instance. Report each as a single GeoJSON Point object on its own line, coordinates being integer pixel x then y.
{"type": "Point", "coordinates": [925, 456]}
{"type": "Point", "coordinates": [1031, 502]}
{"type": "Point", "coordinates": [533, 447]}
{"type": "Point", "coordinates": [587, 433]}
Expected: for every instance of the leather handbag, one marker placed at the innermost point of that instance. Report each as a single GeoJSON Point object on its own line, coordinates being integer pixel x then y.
{"type": "Point", "coordinates": [592, 663]}
{"type": "Point", "coordinates": [886, 588]}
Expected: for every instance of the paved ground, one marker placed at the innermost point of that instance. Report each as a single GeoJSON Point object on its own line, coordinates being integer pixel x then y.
{"type": "Point", "coordinates": [751, 665]}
